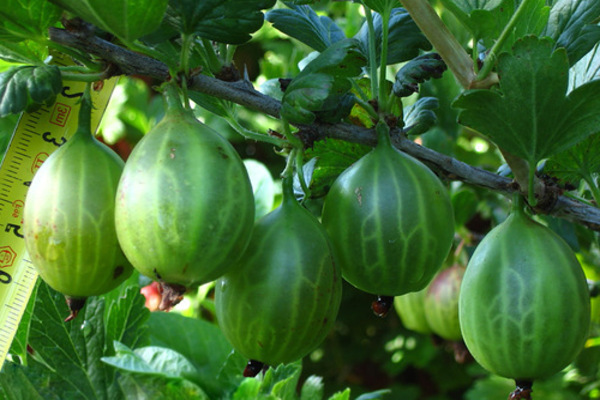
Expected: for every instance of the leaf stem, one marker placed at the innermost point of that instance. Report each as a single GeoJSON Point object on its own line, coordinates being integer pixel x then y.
{"type": "Point", "coordinates": [184, 62]}
{"type": "Point", "coordinates": [490, 60]}
{"type": "Point", "coordinates": [83, 77]}
{"type": "Point", "coordinates": [587, 177]}
{"type": "Point", "coordinates": [372, 51]}
{"type": "Point", "coordinates": [300, 171]}
{"type": "Point", "coordinates": [383, 96]}
{"type": "Point", "coordinates": [448, 47]}
{"type": "Point", "coordinates": [214, 65]}
{"type": "Point", "coordinates": [249, 134]}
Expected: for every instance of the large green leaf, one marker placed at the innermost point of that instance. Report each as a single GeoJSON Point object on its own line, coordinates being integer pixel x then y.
{"type": "Point", "coordinates": [26, 19]}
{"type": "Point", "coordinates": [27, 87]}
{"type": "Point", "coordinates": [202, 343]}
{"type": "Point", "coordinates": [65, 357]}
{"type": "Point", "coordinates": [126, 19]}
{"type": "Point", "coordinates": [302, 23]}
{"type": "Point", "coordinates": [530, 115]}
{"type": "Point", "coordinates": [225, 21]}
{"type": "Point", "coordinates": [486, 20]}
{"type": "Point", "coordinates": [573, 25]}
{"type": "Point", "coordinates": [326, 75]}
{"type": "Point", "coordinates": [405, 39]}
{"type": "Point", "coordinates": [23, 52]}
{"type": "Point", "coordinates": [581, 161]}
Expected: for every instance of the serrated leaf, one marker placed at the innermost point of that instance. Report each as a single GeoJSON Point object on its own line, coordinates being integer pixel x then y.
{"type": "Point", "coordinates": [15, 385]}
{"type": "Point", "coordinates": [405, 39]}
{"type": "Point", "coordinates": [302, 23]}
{"type": "Point", "coordinates": [312, 388]}
{"type": "Point", "coordinates": [27, 87]}
{"type": "Point", "coordinates": [60, 346]}
{"type": "Point", "coordinates": [326, 75]}
{"type": "Point", "coordinates": [201, 342]}
{"type": "Point", "coordinates": [571, 25]}
{"type": "Point", "coordinates": [225, 21]}
{"type": "Point", "coordinates": [126, 19]}
{"type": "Point", "coordinates": [579, 162]}
{"type": "Point", "coordinates": [487, 19]}
{"type": "Point", "coordinates": [126, 318]}
{"type": "Point", "coordinates": [529, 116]}
{"type": "Point", "coordinates": [345, 395]}
{"type": "Point", "coordinates": [281, 382]}
{"type": "Point", "coordinates": [66, 357]}
{"type": "Point", "coordinates": [420, 117]}
{"type": "Point", "coordinates": [418, 70]}
{"type": "Point", "coordinates": [26, 19]}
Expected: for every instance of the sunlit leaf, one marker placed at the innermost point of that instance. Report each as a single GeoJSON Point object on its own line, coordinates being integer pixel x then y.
{"type": "Point", "coordinates": [27, 87]}
{"type": "Point", "coordinates": [26, 19]}
{"type": "Point", "coordinates": [302, 23]}
{"type": "Point", "coordinates": [225, 21]}
{"type": "Point", "coordinates": [126, 19]}
{"type": "Point", "coordinates": [573, 25]}
{"type": "Point", "coordinates": [530, 115]}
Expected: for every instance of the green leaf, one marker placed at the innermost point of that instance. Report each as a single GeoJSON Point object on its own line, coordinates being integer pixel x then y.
{"type": "Point", "coordinates": [65, 358]}
{"type": "Point", "coordinates": [418, 70]}
{"type": "Point", "coordinates": [15, 385]}
{"type": "Point", "coordinates": [486, 20]}
{"type": "Point", "coordinates": [324, 76]}
{"type": "Point", "coordinates": [126, 318]}
{"type": "Point", "coordinates": [378, 394]}
{"type": "Point", "coordinates": [136, 387]}
{"type": "Point", "coordinates": [345, 395]}
{"type": "Point", "coordinates": [464, 204]}
{"type": "Point", "coordinates": [248, 390]}
{"type": "Point", "coordinates": [380, 6]}
{"type": "Point", "coordinates": [225, 21]}
{"type": "Point", "coordinates": [333, 157]}
{"type": "Point", "coordinates": [23, 52]}
{"type": "Point", "coordinates": [263, 187]}
{"type": "Point", "coordinates": [420, 117]}
{"type": "Point", "coordinates": [201, 342]}
{"type": "Point", "coordinates": [302, 23]}
{"type": "Point", "coordinates": [529, 116]}
{"type": "Point", "coordinates": [27, 19]}
{"type": "Point", "coordinates": [126, 19]}
{"type": "Point", "coordinates": [312, 389]}
{"type": "Point", "coordinates": [405, 39]}
{"type": "Point", "coordinates": [579, 162]}
{"type": "Point", "coordinates": [585, 70]}
{"type": "Point", "coordinates": [282, 381]}
{"type": "Point", "coordinates": [151, 360]}
{"type": "Point", "coordinates": [572, 25]}
{"type": "Point", "coordinates": [61, 346]}
{"type": "Point", "coordinates": [27, 87]}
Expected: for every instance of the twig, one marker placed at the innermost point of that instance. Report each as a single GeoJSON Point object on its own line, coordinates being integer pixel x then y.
{"type": "Point", "coordinates": [242, 93]}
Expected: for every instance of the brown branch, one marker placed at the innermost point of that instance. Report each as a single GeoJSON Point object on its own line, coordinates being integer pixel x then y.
{"type": "Point", "coordinates": [242, 92]}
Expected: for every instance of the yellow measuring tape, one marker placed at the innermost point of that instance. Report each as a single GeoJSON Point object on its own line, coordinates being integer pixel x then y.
{"type": "Point", "coordinates": [36, 136]}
